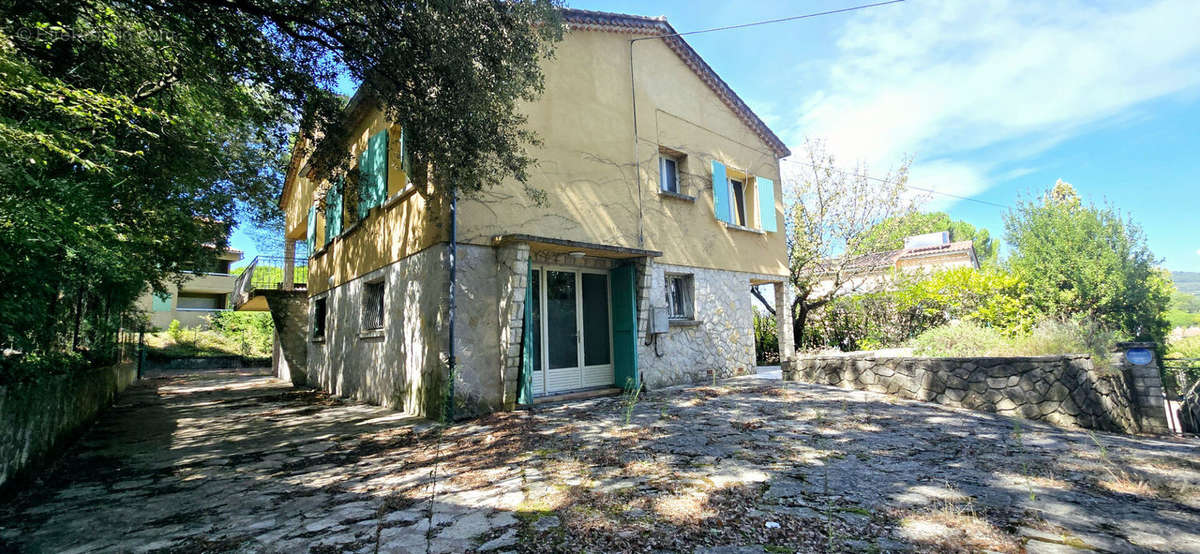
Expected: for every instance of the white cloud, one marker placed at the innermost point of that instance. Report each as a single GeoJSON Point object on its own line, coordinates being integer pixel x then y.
{"type": "Point", "coordinates": [937, 80]}
{"type": "Point", "coordinates": [1198, 252]}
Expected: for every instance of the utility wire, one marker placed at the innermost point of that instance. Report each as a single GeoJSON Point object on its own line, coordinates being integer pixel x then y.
{"type": "Point", "coordinates": [769, 21]}
{"type": "Point", "coordinates": [885, 181]}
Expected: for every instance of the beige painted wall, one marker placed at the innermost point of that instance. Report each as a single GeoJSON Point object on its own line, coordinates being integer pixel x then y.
{"type": "Point", "coordinates": [586, 169]}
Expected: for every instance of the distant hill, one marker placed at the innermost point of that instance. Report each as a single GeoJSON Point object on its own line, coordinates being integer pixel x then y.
{"type": "Point", "coordinates": [1187, 281]}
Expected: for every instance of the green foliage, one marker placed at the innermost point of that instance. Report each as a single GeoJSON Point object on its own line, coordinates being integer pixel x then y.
{"type": "Point", "coordinates": [134, 132]}
{"type": "Point", "coordinates": [890, 233]}
{"type": "Point", "coordinates": [1183, 370]}
{"type": "Point", "coordinates": [990, 297]}
{"type": "Point", "coordinates": [1047, 338]}
{"type": "Point", "coordinates": [254, 330]}
{"type": "Point", "coordinates": [175, 331]}
{"type": "Point", "coordinates": [29, 368]}
{"type": "Point", "coordinates": [232, 334]}
{"type": "Point", "coordinates": [1087, 262]}
{"type": "Point", "coordinates": [766, 339]}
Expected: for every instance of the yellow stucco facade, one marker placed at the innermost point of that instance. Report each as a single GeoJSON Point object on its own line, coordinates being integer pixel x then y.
{"type": "Point", "coordinates": [587, 169]}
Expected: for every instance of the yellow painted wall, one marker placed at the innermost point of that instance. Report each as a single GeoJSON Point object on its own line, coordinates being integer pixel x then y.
{"type": "Point", "coordinates": [409, 221]}
{"type": "Point", "coordinates": [586, 165]}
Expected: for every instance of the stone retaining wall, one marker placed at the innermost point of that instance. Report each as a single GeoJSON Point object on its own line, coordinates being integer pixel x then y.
{"type": "Point", "coordinates": [36, 418]}
{"type": "Point", "coordinates": [1063, 390]}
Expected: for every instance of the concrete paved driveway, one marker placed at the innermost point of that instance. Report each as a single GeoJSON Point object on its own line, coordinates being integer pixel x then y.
{"type": "Point", "coordinates": [224, 462]}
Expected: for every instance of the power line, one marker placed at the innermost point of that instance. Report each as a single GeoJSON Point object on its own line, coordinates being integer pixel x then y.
{"type": "Point", "coordinates": [769, 21]}
{"type": "Point", "coordinates": [885, 181]}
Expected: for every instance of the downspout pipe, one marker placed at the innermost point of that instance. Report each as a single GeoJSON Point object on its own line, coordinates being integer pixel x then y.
{"type": "Point", "coordinates": [637, 160]}
{"type": "Point", "coordinates": [448, 412]}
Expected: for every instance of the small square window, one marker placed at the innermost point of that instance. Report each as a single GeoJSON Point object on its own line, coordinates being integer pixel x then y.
{"type": "Point", "coordinates": [668, 174]}
{"type": "Point", "coordinates": [320, 312]}
{"type": "Point", "coordinates": [680, 293]}
{"type": "Point", "coordinates": [372, 310]}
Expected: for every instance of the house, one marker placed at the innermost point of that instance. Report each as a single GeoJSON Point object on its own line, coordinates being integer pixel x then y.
{"type": "Point", "coordinates": [634, 271]}
{"type": "Point", "coordinates": [205, 293]}
{"type": "Point", "coordinates": [870, 272]}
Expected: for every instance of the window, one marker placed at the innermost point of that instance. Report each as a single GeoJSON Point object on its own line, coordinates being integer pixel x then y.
{"type": "Point", "coordinates": [318, 323]}
{"type": "Point", "coordinates": [668, 174]}
{"type": "Point", "coordinates": [201, 301]}
{"type": "Point", "coordinates": [372, 309]}
{"type": "Point", "coordinates": [737, 192]}
{"type": "Point", "coordinates": [679, 297]}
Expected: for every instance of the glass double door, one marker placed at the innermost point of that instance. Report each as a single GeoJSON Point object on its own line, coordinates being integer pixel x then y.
{"type": "Point", "coordinates": [572, 344]}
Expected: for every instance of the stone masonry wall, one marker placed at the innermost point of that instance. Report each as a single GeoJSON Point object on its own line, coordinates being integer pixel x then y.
{"type": "Point", "coordinates": [35, 418]}
{"type": "Point", "coordinates": [1063, 390]}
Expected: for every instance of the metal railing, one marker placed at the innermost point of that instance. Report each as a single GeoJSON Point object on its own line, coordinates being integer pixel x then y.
{"type": "Point", "coordinates": [270, 273]}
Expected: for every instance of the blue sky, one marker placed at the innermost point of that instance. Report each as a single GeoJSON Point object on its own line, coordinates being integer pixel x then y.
{"type": "Point", "coordinates": [991, 100]}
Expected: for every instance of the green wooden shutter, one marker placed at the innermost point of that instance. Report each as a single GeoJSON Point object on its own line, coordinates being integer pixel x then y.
{"type": "Point", "coordinates": [378, 146]}
{"type": "Point", "coordinates": [766, 203]}
{"type": "Point", "coordinates": [333, 212]}
{"type": "Point", "coordinates": [720, 191]}
{"type": "Point", "coordinates": [365, 194]}
{"type": "Point", "coordinates": [161, 303]}
{"type": "Point", "coordinates": [623, 289]}
{"type": "Point", "coordinates": [525, 378]}
{"type": "Point", "coordinates": [311, 238]}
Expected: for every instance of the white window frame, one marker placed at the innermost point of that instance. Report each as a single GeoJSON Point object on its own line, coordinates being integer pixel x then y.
{"type": "Point", "coordinates": [662, 172]}
{"type": "Point", "coordinates": [733, 202]}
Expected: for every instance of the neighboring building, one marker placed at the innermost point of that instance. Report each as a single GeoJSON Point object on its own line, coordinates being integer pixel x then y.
{"type": "Point", "coordinates": [928, 252]}
{"type": "Point", "coordinates": [635, 270]}
{"type": "Point", "coordinates": [201, 296]}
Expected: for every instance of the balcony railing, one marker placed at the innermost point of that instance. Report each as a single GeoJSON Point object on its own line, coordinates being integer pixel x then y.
{"type": "Point", "coordinates": [270, 273]}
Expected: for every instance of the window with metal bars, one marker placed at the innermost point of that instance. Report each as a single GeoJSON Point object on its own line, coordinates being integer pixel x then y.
{"type": "Point", "coordinates": [373, 295]}
{"type": "Point", "coordinates": [680, 290]}
{"type": "Point", "coordinates": [318, 322]}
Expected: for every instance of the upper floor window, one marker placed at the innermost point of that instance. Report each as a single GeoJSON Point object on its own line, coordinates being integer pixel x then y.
{"type": "Point", "coordinates": [372, 309]}
{"type": "Point", "coordinates": [668, 174]}
{"type": "Point", "coordinates": [737, 199]}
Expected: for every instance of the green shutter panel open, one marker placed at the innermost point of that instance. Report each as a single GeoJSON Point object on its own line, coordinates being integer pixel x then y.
{"type": "Point", "coordinates": [333, 212]}
{"type": "Point", "coordinates": [311, 237]}
{"type": "Point", "coordinates": [623, 289]}
{"type": "Point", "coordinates": [378, 147]}
{"type": "Point", "coordinates": [720, 191]}
{"type": "Point", "coordinates": [161, 303]}
{"type": "Point", "coordinates": [766, 203]}
{"type": "Point", "coordinates": [525, 379]}
{"type": "Point", "coordinates": [365, 194]}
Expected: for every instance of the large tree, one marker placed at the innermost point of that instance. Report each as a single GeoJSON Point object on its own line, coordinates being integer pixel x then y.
{"type": "Point", "coordinates": [135, 131]}
{"type": "Point", "coordinates": [890, 234]}
{"type": "Point", "coordinates": [830, 212]}
{"type": "Point", "coordinates": [1088, 262]}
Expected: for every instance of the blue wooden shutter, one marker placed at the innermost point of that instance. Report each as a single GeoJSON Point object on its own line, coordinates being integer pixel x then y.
{"type": "Point", "coordinates": [720, 191]}
{"type": "Point", "coordinates": [311, 237]}
{"type": "Point", "coordinates": [365, 194]}
{"type": "Point", "coordinates": [766, 203]}
{"type": "Point", "coordinates": [333, 212]}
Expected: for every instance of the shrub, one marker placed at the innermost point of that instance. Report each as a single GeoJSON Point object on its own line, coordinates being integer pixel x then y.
{"type": "Point", "coordinates": [254, 330]}
{"type": "Point", "coordinates": [766, 339]}
{"type": "Point", "coordinates": [1050, 337]}
{"type": "Point", "coordinates": [961, 339]}
{"type": "Point", "coordinates": [918, 302]}
{"type": "Point", "coordinates": [175, 331]}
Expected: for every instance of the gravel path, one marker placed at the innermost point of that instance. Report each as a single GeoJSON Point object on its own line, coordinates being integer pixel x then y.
{"type": "Point", "coordinates": [231, 462]}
